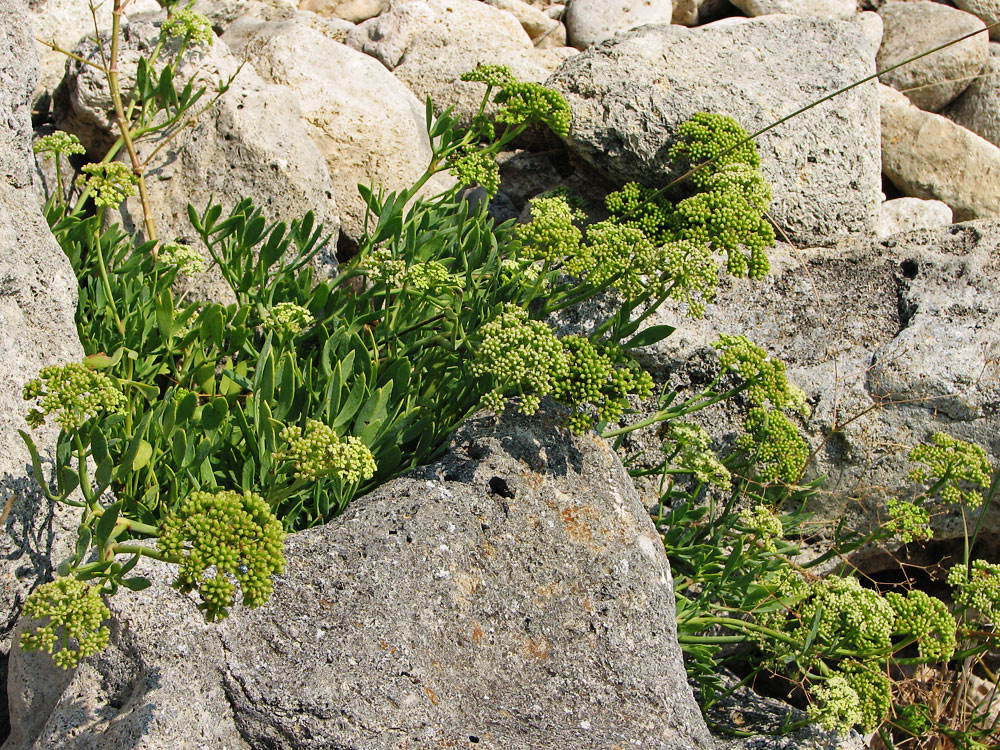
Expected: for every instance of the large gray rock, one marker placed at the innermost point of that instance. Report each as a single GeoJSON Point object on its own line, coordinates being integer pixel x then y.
{"type": "Point", "coordinates": [37, 328]}
{"type": "Point", "coordinates": [928, 156]}
{"type": "Point", "coordinates": [931, 82]}
{"type": "Point", "coordinates": [907, 214]}
{"type": "Point", "coordinates": [429, 44]}
{"type": "Point", "coordinates": [824, 8]}
{"type": "Point", "coordinates": [986, 10]}
{"type": "Point", "coordinates": [891, 340]}
{"type": "Point", "coordinates": [514, 594]}
{"type": "Point", "coordinates": [349, 10]}
{"type": "Point", "coordinates": [978, 108]}
{"type": "Point", "coordinates": [369, 127]}
{"type": "Point", "coordinates": [544, 30]}
{"type": "Point", "coordinates": [629, 95]}
{"type": "Point", "coordinates": [589, 22]}
{"type": "Point", "coordinates": [694, 12]}
{"type": "Point", "coordinates": [252, 144]}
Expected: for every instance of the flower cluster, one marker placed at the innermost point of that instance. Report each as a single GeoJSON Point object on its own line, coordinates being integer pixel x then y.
{"type": "Point", "coordinates": [318, 451]}
{"type": "Point", "coordinates": [694, 454]}
{"type": "Point", "coordinates": [779, 452]}
{"type": "Point", "coordinates": [474, 167]}
{"type": "Point", "coordinates": [908, 521]}
{"type": "Point", "coordinates": [958, 470]}
{"type": "Point", "coordinates": [550, 235]}
{"type": "Point", "coordinates": [184, 257]}
{"type": "Point", "coordinates": [765, 375]}
{"type": "Point", "coordinates": [621, 257]}
{"type": "Point", "coordinates": [109, 182]}
{"type": "Point", "coordinates": [524, 101]}
{"type": "Point", "coordinates": [692, 274]}
{"type": "Point", "coordinates": [837, 705]}
{"type": "Point", "coordinates": [236, 536]}
{"type": "Point", "coordinates": [716, 138]}
{"type": "Point", "coordinates": [74, 393]}
{"type": "Point", "coordinates": [289, 318]}
{"type": "Point", "coordinates": [977, 587]}
{"type": "Point", "coordinates": [429, 276]}
{"type": "Point", "coordinates": [641, 207]}
{"type": "Point", "coordinates": [383, 268]}
{"type": "Point", "coordinates": [60, 143]}
{"type": "Point", "coordinates": [927, 618]}
{"type": "Point", "coordinates": [492, 75]}
{"type": "Point", "coordinates": [75, 613]}
{"type": "Point", "coordinates": [764, 523]}
{"type": "Point", "coordinates": [189, 24]}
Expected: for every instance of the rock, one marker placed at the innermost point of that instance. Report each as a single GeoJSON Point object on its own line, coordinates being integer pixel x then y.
{"type": "Point", "coordinates": [589, 22]}
{"type": "Point", "coordinates": [514, 594]}
{"type": "Point", "coordinates": [920, 151]}
{"type": "Point", "coordinates": [429, 44]}
{"type": "Point", "coordinates": [37, 328]}
{"type": "Point", "coordinates": [250, 145]}
{"type": "Point", "coordinates": [354, 11]}
{"type": "Point", "coordinates": [907, 214]}
{"type": "Point", "coordinates": [988, 11]}
{"type": "Point", "coordinates": [976, 109]}
{"type": "Point", "coordinates": [368, 126]}
{"type": "Point", "coordinates": [694, 12]}
{"type": "Point", "coordinates": [629, 95]}
{"type": "Point", "coordinates": [823, 8]}
{"type": "Point", "coordinates": [892, 340]}
{"type": "Point", "coordinates": [223, 13]}
{"type": "Point", "coordinates": [910, 28]}
{"type": "Point", "coordinates": [543, 30]}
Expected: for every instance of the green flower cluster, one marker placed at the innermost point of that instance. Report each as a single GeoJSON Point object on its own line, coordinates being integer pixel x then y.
{"type": "Point", "coordinates": [643, 208]}
{"type": "Point", "coordinates": [494, 76]}
{"type": "Point", "coordinates": [187, 23]}
{"type": "Point", "coordinates": [234, 534]}
{"type": "Point", "coordinates": [692, 272]}
{"type": "Point", "coordinates": [927, 618]}
{"type": "Point", "coordinates": [908, 521]}
{"type": "Point", "coordinates": [600, 376]}
{"type": "Point", "coordinates": [184, 257]}
{"type": "Point", "coordinates": [289, 318]}
{"type": "Point", "coordinates": [716, 138]}
{"type": "Point", "coordinates": [779, 452]}
{"type": "Point", "coordinates": [318, 451]}
{"type": "Point", "coordinates": [858, 694]}
{"type": "Point", "coordinates": [74, 393]}
{"type": "Point", "coordinates": [694, 454]}
{"type": "Point", "coordinates": [429, 276]}
{"type": "Point", "coordinates": [957, 469]}
{"type": "Point", "coordinates": [764, 523]}
{"type": "Point", "coordinates": [75, 613]}
{"type": "Point", "coordinates": [550, 235]}
{"type": "Point", "coordinates": [474, 167]}
{"type": "Point", "coordinates": [765, 375]}
{"type": "Point", "coordinates": [383, 268]}
{"type": "Point", "coordinates": [977, 587]}
{"type": "Point", "coordinates": [60, 143]}
{"type": "Point", "coordinates": [109, 182]}
{"type": "Point", "coordinates": [621, 257]}
{"type": "Point", "coordinates": [524, 101]}
{"type": "Point", "coordinates": [837, 705]}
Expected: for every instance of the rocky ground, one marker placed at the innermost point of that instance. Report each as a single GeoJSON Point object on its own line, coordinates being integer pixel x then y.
{"type": "Point", "coordinates": [553, 626]}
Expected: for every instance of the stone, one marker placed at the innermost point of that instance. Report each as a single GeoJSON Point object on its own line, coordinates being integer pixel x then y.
{"type": "Point", "coordinates": [977, 108]}
{"type": "Point", "coordinates": [694, 12]}
{"type": "Point", "coordinates": [823, 8]}
{"type": "Point", "coordinates": [892, 340]}
{"type": "Point", "coordinates": [37, 328]}
{"type": "Point", "coordinates": [368, 126]}
{"type": "Point", "coordinates": [920, 151]}
{"type": "Point", "coordinates": [223, 13]}
{"type": "Point", "coordinates": [589, 22]}
{"type": "Point", "coordinates": [539, 26]}
{"type": "Point", "coordinates": [934, 81]}
{"type": "Point", "coordinates": [628, 96]}
{"type": "Point", "coordinates": [513, 594]}
{"type": "Point", "coordinates": [354, 11]}
{"type": "Point", "coordinates": [907, 214]}
{"type": "Point", "coordinates": [429, 44]}
{"type": "Point", "coordinates": [988, 11]}
{"type": "Point", "coordinates": [251, 144]}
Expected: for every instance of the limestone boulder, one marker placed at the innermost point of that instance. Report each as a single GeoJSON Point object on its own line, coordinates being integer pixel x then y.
{"type": "Point", "coordinates": [906, 214]}
{"type": "Point", "coordinates": [694, 12]}
{"type": "Point", "coordinates": [354, 11]}
{"type": "Point", "coordinates": [978, 108]}
{"type": "Point", "coordinates": [514, 594]}
{"type": "Point", "coordinates": [934, 81]}
{"type": "Point", "coordinates": [822, 8]}
{"type": "Point", "coordinates": [928, 156]}
{"type": "Point", "coordinates": [589, 22]}
{"type": "Point", "coordinates": [988, 11]}
{"type": "Point", "coordinates": [544, 30]}
{"type": "Point", "coordinates": [429, 44]}
{"type": "Point", "coordinates": [629, 95]}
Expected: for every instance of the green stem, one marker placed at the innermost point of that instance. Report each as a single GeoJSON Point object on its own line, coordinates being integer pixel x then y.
{"type": "Point", "coordinates": [103, 268]}
{"type": "Point", "coordinates": [138, 549]}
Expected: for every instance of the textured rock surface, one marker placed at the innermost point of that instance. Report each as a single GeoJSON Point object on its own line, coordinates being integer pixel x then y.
{"type": "Point", "coordinates": [589, 22]}
{"type": "Point", "coordinates": [252, 144]}
{"type": "Point", "coordinates": [892, 341]}
{"type": "Point", "coordinates": [920, 153]}
{"type": "Point", "coordinates": [488, 600]}
{"type": "Point", "coordinates": [350, 10]}
{"type": "Point", "coordinates": [37, 303]}
{"type": "Point", "coordinates": [907, 214]}
{"type": "Point", "coordinates": [910, 28]}
{"type": "Point", "coordinates": [368, 126]}
{"type": "Point", "coordinates": [986, 10]}
{"type": "Point", "coordinates": [544, 30]}
{"type": "Point", "coordinates": [978, 108]}
{"type": "Point", "coordinates": [429, 44]}
{"type": "Point", "coordinates": [823, 8]}
{"type": "Point", "coordinates": [692, 12]}
{"type": "Point", "coordinates": [629, 95]}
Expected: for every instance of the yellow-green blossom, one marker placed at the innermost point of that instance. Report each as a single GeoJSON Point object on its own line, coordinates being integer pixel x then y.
{"type": "Point", "coordinates": [693, 448]}
{"type": "Point", "coordinates": [75, 613]}
{"type": "Point", "coordinates": [110, 182]}
{"type": "Point", "coordinates": [319, 451]}
{"type": "Point", "coordinates": [74, 393]}
{"type": "Point", "coordinates": [957, 470]}
{"type": "Point", "coordinates": [184, 257]}
{"type": "Point", "coordinates": [188, 23]}
{"type": "Point", "coordinates": [288, 317]}
{"type": "Point", "coordinates": [60, 143]}
{"type": "Point", "coordinates": [908, 521]}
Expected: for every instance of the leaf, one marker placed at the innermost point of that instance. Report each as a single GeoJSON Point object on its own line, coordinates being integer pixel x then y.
{"type": "Point", "coordinates": [106, 524]}
{"type": "Point", "coordinates": [214, 413]}
{"type": "Point", "coordinates": [165, 313]}
{"type": "Point", "coordinates": [353, 403]}
{"type": "Point", "coordinates": [650, 336]}
{"type": "Point", "coordinates": [83, 539]}
{"type": "Point", "coordinates": [133, 447]}
{"type": "Point", "coordinates": [36, 465]}
{"type": "Point", "coordinates": [186, 408]}
{"type": "Point", "coordinates": [142, 455]}
{"type": "Point", "coordinates": [135, 584]}
{"type": "Point", "coordinates": [102, 361]}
